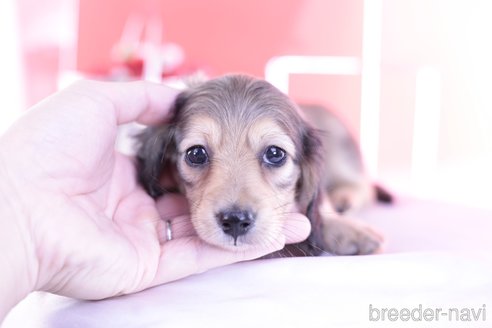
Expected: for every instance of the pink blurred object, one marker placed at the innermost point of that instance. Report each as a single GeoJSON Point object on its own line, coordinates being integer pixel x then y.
{"type": "Point", "coordinates": [141, 52]}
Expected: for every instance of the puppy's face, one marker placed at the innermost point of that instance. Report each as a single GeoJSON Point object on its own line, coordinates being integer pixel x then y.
{"type": "Point", "coordinates": [240, 179]}
{"type": "Point", "coordinates": [243, 158]}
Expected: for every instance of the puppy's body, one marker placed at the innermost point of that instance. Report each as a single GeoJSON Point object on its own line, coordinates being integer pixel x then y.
{"type": "Point", "coordinates": [343, 178]}
{"type": "Point", "coordinates": [243, 156]}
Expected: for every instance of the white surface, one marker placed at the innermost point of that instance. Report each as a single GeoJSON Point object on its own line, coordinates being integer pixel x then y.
{"type": "Point", "coordinates": [279, 69]}
{"type": "Point", "coordinates": [437, 256]}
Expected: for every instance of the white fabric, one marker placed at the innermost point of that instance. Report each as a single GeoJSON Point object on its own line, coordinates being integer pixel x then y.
{"type": "Point", "coordinates": [437, 256]}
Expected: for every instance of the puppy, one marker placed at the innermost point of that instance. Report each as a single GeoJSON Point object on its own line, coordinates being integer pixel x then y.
{"type": "Point", "coordinates": [243, 156]}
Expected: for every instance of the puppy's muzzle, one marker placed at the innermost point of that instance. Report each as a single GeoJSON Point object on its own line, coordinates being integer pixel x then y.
{"type": "Point", "coordinates": [235, 222]}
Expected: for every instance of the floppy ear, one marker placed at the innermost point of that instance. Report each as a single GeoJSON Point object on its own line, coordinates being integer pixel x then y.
{"type": "Point", "coordinates": [309, 189]}
{"type": "Point", "coordinates": [154, 156]}
{"type": "Point", "coordinates": [157, 154]}
{"type": "Point", "coordinates": [311, 160]}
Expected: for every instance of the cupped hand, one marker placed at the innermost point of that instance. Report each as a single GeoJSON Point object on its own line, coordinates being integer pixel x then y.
{"type": "Point", "coordinates": [88, 229]}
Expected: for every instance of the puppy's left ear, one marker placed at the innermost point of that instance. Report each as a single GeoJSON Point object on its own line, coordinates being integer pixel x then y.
{"type": "Point", "coordinates": [309, 189]}
{"type": "Point", "coordinates": [311, 160]}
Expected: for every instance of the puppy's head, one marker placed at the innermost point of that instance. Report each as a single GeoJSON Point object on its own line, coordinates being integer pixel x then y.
{"type": "Point", "coordinates": [240, 153]}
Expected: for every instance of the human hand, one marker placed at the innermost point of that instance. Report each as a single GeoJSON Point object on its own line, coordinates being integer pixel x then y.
{"type": "Point", "coordinates": [78, 222]}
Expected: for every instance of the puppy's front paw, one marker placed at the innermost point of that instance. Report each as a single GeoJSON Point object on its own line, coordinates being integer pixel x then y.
{"type": "Point", "coordinates": [345, 237]}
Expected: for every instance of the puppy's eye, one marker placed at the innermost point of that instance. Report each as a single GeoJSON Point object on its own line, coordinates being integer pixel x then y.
{"type": "Point", "coordinates": [274, 156]}
{"type": "Point", "coordinates": [196, 155]}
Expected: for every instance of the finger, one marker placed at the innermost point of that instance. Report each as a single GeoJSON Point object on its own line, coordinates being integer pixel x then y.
{"type": "Point", "coordinates": [296, 228]}
{"type": "Point", "coordinates": [141, 101]}
{"type": "Point", "coordinates": [175, 228]}
{"type": "Point", "coordinates": [172, 205]}
{"type": "Point", "coordinates": [173, 210]}
{"type": "Point", "coordinates": [186, 256]}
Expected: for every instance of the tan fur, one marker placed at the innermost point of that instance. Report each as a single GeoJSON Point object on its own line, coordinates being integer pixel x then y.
{"type": "Point", "coordinates": [235, 178]}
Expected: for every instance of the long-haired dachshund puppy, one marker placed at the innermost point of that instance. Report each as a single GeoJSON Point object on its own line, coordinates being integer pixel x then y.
{"type": "Point", "coordinates": [243, 156]}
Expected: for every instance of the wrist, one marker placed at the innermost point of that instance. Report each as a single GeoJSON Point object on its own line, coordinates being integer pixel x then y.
{"type": "Point", "coordinates": [17, 257]}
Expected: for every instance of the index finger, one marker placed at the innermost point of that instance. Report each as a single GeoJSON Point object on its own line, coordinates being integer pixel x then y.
{"type": "Point", "coordinates": [141, 101]}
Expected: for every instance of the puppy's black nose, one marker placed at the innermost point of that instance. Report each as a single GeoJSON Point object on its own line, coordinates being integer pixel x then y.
{"type": "Point", "coordinates": [235, 222]}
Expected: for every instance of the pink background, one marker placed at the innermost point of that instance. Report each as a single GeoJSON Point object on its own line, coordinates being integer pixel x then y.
{"type": "Point", "coordinates": [225, 36]}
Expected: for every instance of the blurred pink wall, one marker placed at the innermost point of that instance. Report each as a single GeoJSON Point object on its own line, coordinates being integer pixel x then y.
{"type": "Point", "coordinates": [227, 35]}
{"type": "Point", "coordinates": [450, 37]}
{"type": "Point", "coordinates": [239, 36]}
{"type": "Point", "coordinates": [38, 31]}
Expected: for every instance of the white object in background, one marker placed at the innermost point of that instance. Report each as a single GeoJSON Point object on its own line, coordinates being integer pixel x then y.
{"type": "Point", "coordinates": [153, 61]}
{"type": "Point", "coordinates": [279, 69]}
{"type": "Point", "coordinates": [68, 77]}
{"type": "Point", "coordinates": [426, 124]}
{"type": "Point", "coordinates": [371, 84]}
{"type": "Point", "coordinates": [68, 36]}
{"type": "Point", "coordinates": [11, 79]}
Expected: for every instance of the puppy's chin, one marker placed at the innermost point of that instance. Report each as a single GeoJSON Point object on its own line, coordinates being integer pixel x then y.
{"type": "Point", "coordinates": [221, 240]}
{"type": "Point", "coordinates": [240, 246]}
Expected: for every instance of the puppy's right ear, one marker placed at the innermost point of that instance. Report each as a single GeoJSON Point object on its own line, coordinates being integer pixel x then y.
{"type": "Point", "coordinates": [157, 153]}
{"type": "Point", "coordinates": [154, 156]}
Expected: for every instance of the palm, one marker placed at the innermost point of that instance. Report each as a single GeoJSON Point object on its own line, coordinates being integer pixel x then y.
{"type": "Point", "coordinates": [97, 199]}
